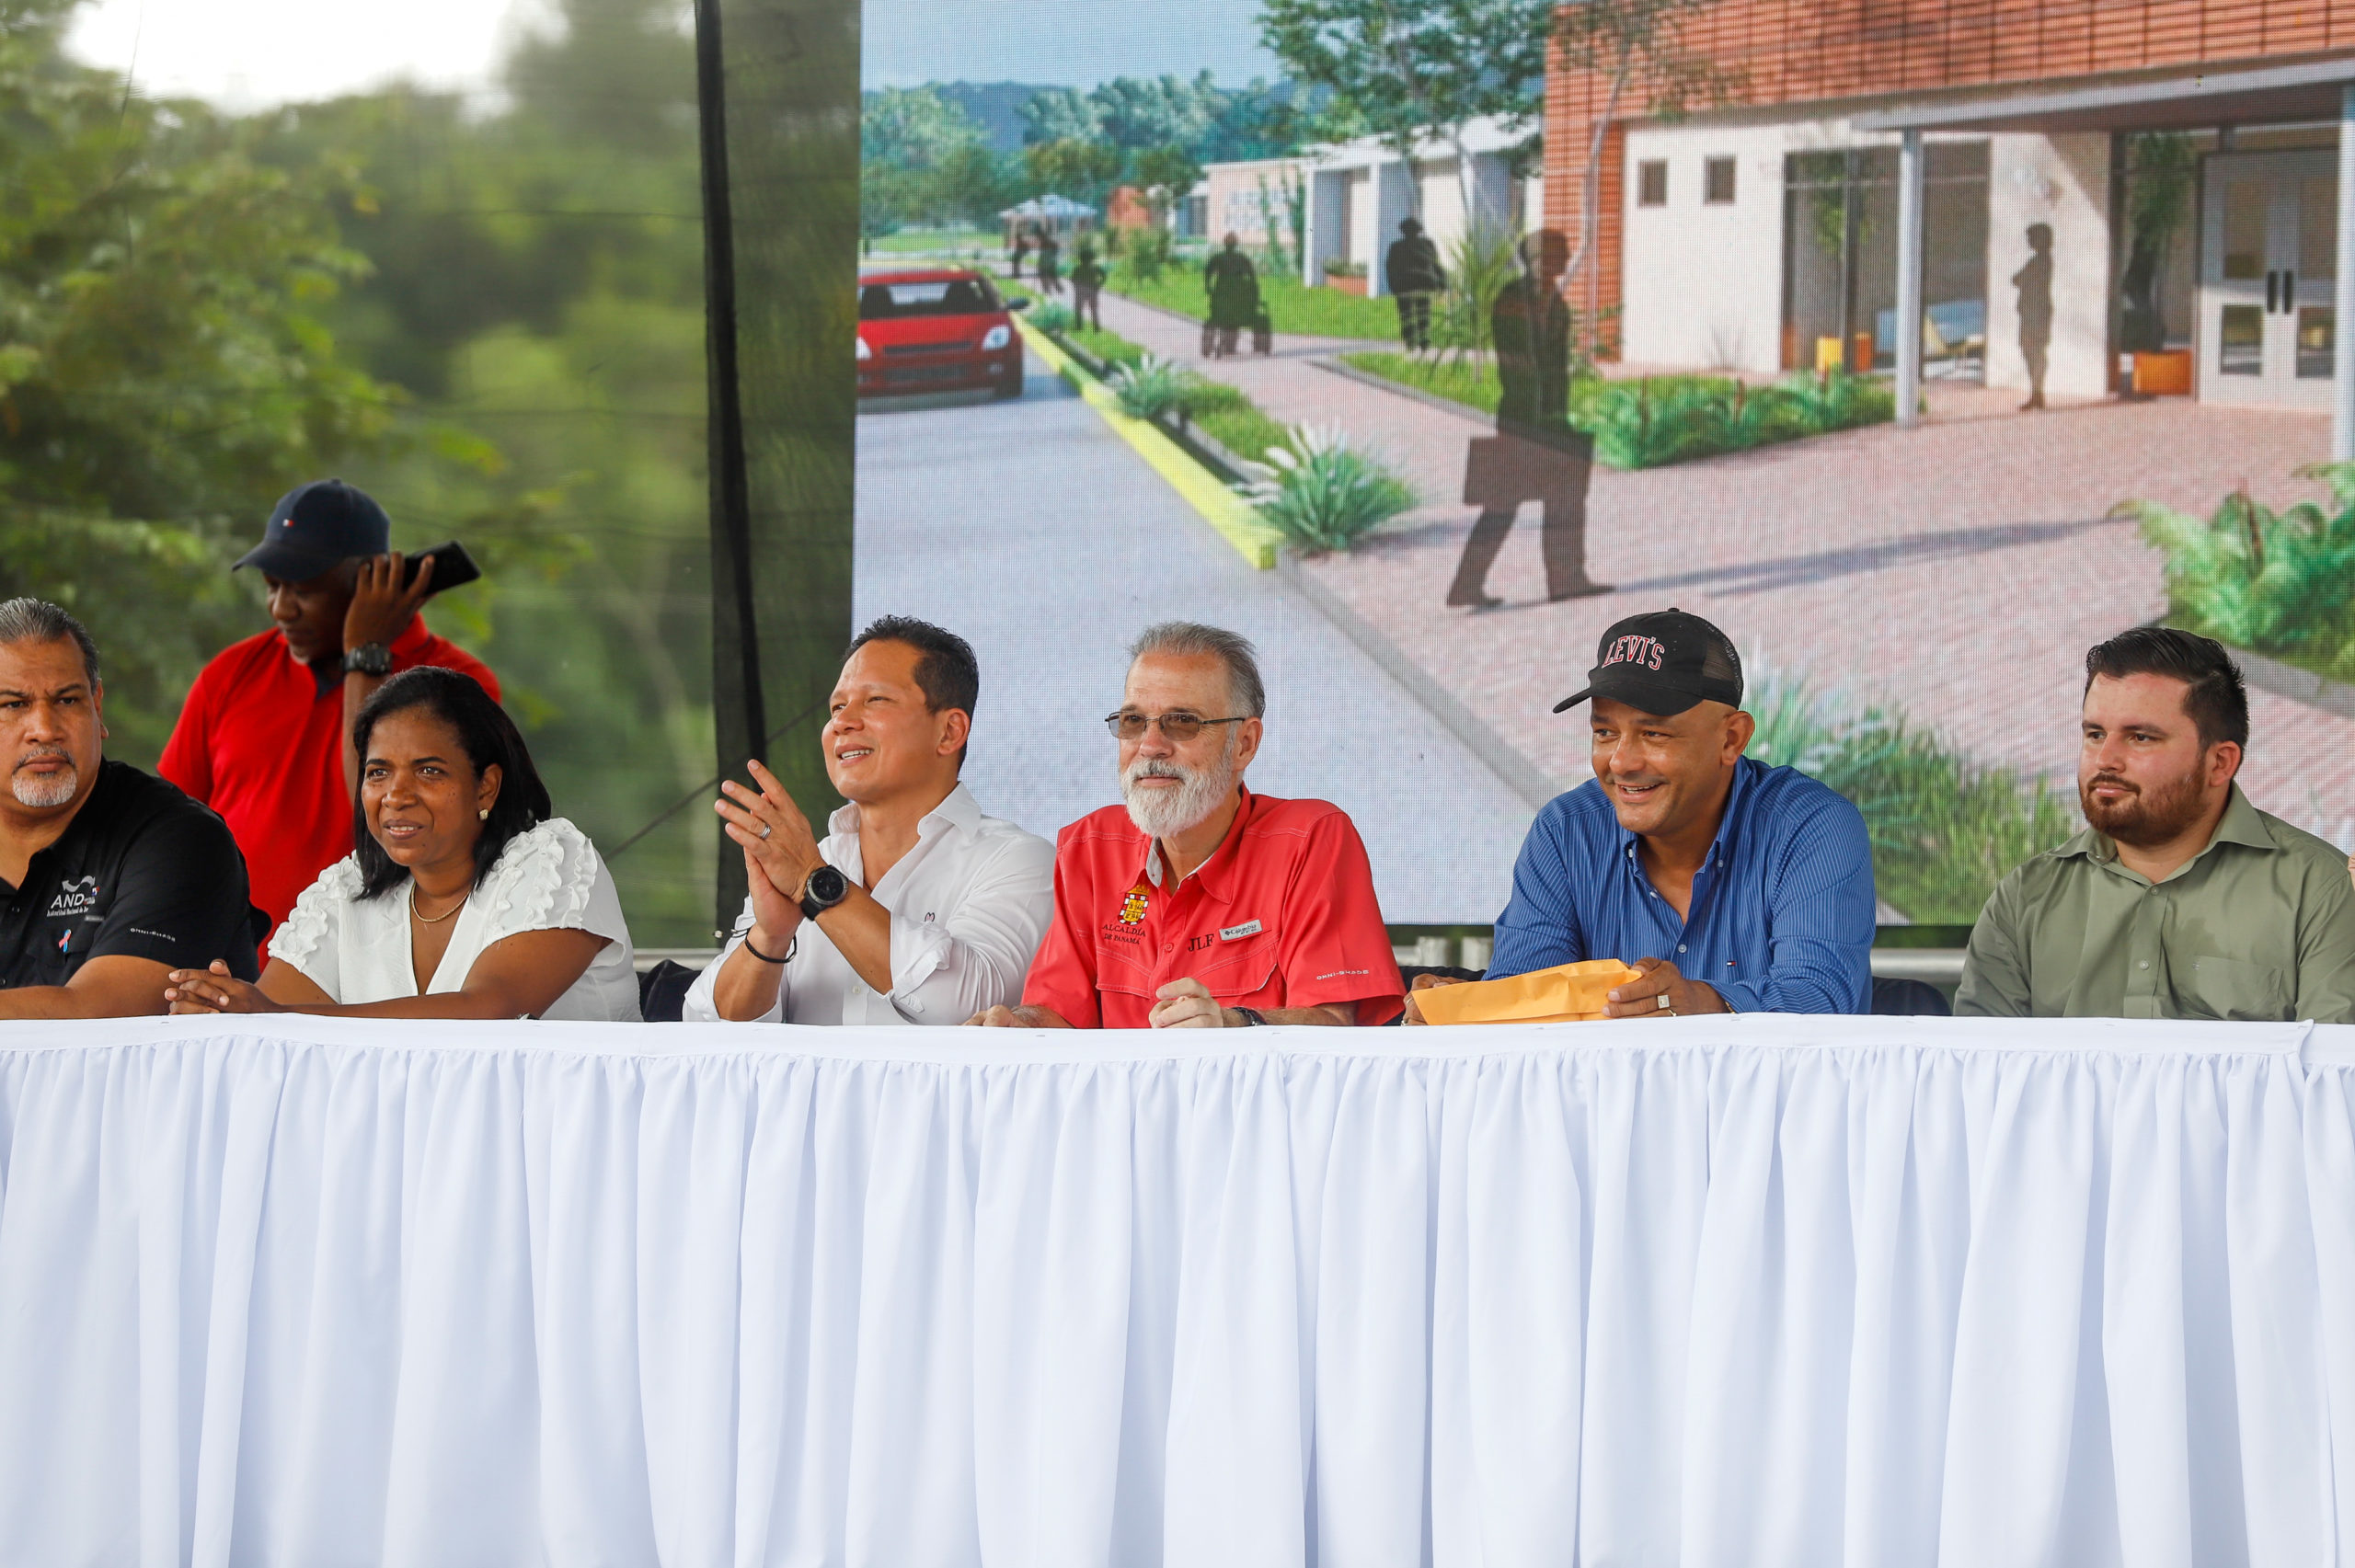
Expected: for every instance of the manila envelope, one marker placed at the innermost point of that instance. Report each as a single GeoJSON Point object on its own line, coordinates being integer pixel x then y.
{"type": "Point", "coordinates": [1566, 993]}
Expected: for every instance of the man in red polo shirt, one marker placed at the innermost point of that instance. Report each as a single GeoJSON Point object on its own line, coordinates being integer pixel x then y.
{"type": "Point", "coordinates": [1199, 904]}
{"type": "Point", "coordinates": [264, 737]}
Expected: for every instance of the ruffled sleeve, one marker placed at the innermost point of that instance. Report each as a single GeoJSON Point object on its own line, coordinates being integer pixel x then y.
{"type": "Point", "coordinates": [550, 877]}
{"type": "Point", "coordinates": [310, 938]}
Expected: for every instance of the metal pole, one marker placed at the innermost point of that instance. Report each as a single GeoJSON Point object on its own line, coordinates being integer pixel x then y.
{"type": "Point", "coordinates": [739, 715]}
{"type": "Point", "coordinates": [2342, 392]}
{"type": "Point", "coordinates": [1909, 281]}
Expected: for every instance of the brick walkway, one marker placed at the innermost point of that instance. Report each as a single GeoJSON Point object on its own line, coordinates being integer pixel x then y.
{"type": "Point", "coordinates": [1956, 572]}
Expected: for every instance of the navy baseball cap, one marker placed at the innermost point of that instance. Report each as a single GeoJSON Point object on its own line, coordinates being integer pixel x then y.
{"type": "Point", "coordinates": [1663, 662]}
{"type": "Point", "coordinates": [317, 526]}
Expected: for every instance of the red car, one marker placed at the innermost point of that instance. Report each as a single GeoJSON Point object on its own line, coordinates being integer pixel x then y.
{"type": "Point", "coordinates": [935, 329]}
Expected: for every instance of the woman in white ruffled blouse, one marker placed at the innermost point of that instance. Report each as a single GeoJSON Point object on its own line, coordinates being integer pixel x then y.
{"type": "Point", "coordinates": [465, 897]}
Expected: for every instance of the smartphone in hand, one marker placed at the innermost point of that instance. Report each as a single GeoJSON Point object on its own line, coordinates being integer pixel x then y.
{"type": "Point", "coordinates": [453, 567]}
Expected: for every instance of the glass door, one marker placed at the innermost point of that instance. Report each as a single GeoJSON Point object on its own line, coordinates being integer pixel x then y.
{"type": "Point", "coordinates": [2269, 335]}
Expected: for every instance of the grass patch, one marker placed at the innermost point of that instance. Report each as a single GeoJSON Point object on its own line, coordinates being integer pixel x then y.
{"type": "Point", "coordinates": [1293, 307]}
{"type": "Point", "coordinates": [1222, 412]}
{"type": "Point", "coordinates": [1944, 829]}
{"type": "Point", "coordinates": [1230, 419]}
{"type": "Point", "coordinates": [2275, 583]}
{"type": "Point", "coordinates": [1457, 380]}
{"type": "Point", "coordinates": [1108, 347]}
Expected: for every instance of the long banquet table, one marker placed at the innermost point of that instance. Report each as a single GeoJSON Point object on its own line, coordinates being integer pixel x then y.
{"type": "Point", "coordinates": [1701, 1291]}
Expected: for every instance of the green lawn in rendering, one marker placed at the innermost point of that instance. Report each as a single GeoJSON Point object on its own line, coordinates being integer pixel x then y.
{"type": "Point", "coordinates": [1314, 313]}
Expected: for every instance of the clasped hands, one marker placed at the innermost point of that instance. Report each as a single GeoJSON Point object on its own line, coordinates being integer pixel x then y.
{"type": "Point", "coordinates": [214, 990]}
{"type": "Point", "coordinates": [1181, 1004]}
{"type": "Point", "coordinates": [780, 852]}
{"type": "Point", "coordinates": [1638, 998]}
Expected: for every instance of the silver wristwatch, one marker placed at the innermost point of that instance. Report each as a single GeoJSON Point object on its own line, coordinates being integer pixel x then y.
{"type": "Point", "coordinates": [369, 658]}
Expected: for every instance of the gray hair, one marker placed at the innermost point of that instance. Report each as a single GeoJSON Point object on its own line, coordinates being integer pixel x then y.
{"type": "Point", "coordinates": [38, 621]}
{"type": "Point", "coordinates": [1191, 639]}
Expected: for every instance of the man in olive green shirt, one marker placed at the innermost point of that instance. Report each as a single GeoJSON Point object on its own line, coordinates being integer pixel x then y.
{"type": "Point", "coordinates": [2181, 899]}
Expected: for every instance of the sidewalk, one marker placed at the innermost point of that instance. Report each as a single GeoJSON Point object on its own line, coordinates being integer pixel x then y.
{"type": "Point", "coordinates": [1956, 572]}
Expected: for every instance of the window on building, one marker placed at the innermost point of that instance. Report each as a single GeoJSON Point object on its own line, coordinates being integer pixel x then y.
{"type": "Point", "coordinates": [1840, 259]}
{"type": "Point", "coordinates": [1716, 182]}
{"type": "Point", "coordinates": [1651, 183]}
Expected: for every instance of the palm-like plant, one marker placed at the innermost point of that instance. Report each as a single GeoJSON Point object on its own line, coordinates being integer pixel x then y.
{"type": "Point", "coordinates": [2274, 582]}
{"type": "Point", "coordinates": [1481, 265]}
{"type": "Point", "coordinates": [1323, 494]}
{"type": "Point", "coordinates": [1148, 389]}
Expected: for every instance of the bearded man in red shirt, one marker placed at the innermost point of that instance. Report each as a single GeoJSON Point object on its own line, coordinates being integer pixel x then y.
{"type": "Point", "coordinates": [264, 737]}
{"type": "Point", "coordinates": [1197, 903]}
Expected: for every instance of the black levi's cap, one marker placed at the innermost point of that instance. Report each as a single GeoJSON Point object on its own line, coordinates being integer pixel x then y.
{"type": "Point", "coordinates": [315, 527]}
{"type": "Point", "coordinates": [1663, 663]}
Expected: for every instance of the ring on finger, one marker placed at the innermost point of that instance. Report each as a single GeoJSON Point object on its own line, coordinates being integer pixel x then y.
{"type": "Point", "coordinates": [766, 830]}
{"type": "Point", "coordinates": [1665, 1005]}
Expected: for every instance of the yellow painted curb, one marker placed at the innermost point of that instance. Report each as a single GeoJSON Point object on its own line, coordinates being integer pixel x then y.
{"type": "Point", "coordinates": [1225, 510]}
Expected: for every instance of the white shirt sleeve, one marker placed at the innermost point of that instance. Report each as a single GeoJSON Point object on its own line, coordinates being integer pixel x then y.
{"type": "Point", "coordinates": [945, 971]}
{"type": "Point", "coordinates": [311, 938]}
{"type": "Point", "coordinates": [702, 1004]}
{"type": "Point", "coordinates": [549, 877]}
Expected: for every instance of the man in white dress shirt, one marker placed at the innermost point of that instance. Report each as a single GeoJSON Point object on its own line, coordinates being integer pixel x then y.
{"type": "Point", "coordinates": [915, 908]}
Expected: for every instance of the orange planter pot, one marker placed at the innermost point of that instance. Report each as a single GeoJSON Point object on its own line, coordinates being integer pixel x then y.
{"type": "Point", "coordinates": [1347, 285]}
{"type": "Point", "coordinates": [2166, 373]}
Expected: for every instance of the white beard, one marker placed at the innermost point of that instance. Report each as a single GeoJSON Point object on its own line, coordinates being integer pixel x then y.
{"type": "Point", "coordinates": [1160, 813]}
{"type": "Point", "coordinates": [41, 794]}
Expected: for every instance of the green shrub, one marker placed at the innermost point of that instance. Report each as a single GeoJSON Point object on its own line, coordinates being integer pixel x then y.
{"type": "Point", "coordinates": [1838, 401]}
{"type": "Point", "coordinates": [1148, 389]}
{"type": "Point", "coordinates": [1052, 315]}
{"type": "Point", "coordinates": [2274, 582]}
{"type": "Point", "coordinates": [1147, 255]}
{"type": "Point", "coordinates": [1944, 831]}
{"type": "Point", "coordinates": [1648, 423]}
{"type": "Point", "coordinates": [1323, 494]}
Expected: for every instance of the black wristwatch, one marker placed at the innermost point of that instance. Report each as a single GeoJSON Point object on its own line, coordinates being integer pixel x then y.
{"type": "Point", "coordinates": [825, 888]}
{"type": "Point", "coordinates": [369, 658]}
{"type": "Point", "coordinates": [1252, 1017]}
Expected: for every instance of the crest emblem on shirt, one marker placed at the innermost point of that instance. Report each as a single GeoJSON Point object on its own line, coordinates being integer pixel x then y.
{"type": "Point", "coordinates": [1132, 908]}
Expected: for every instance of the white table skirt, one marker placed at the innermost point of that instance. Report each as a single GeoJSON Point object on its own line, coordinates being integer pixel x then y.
{"type": "Point", "coordinates": [1759, 1291]}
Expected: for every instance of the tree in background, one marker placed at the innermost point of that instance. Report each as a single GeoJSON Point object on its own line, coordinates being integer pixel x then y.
{"type": "Point", "coordinates": [1081, 170]}
{"type": "Point", "coordinates": [166, 365]}
{"type": "Point", "coordinates": [923, 159]}
{"type": "Point", "coordinates": [1164, 175]}
{"type": "Point", "coordinates": [1141, 114]}
{"type": "Point", "coordinates": [1633, 45]}
{"type": "Point", "coordinates": [1414, 72]}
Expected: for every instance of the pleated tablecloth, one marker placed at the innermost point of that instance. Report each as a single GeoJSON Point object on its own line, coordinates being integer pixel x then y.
{"type": "Point", "coordinates": [1700, 1291]}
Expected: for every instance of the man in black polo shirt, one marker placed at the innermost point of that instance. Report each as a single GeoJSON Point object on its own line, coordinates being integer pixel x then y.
{"type": "Point", "coordinates": [112, 878]}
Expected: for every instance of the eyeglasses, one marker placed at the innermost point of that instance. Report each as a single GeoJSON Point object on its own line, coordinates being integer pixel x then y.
{"type": "Point", "coordinates": [1176, 729]}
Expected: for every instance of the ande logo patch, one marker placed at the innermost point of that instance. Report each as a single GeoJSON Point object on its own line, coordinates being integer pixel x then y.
{"type": "Point", "coordinates": [78, 896]}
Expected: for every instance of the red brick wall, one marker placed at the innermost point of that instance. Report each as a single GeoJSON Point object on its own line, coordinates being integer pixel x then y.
{"type": "Point", "coordinates": [1791, 51]}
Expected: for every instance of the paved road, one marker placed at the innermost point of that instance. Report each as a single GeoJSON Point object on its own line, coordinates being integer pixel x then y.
{"type": "Point", "coordinates": [1031, 528]}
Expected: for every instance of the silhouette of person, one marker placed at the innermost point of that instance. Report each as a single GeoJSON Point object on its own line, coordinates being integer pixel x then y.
{"type": "Point", "coordinates": [1535, 454]}
{"type": "Point", "coordinates": [1051, 266]}
{"type": "Point", "coordinates": [2034, 281]}
{"type": "Point", "coordinates": [1087, 287]}
{"type": "Point", "coordinates": [1021, 249]}
{"type": "Point", "coordinates": [1234, 286]}
{"type": "Point", "coordinates": [1412, 273]}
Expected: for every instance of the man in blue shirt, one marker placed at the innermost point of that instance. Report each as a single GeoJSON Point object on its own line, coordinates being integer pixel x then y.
{"type": "Point", "coordinates": [1734, 886]}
